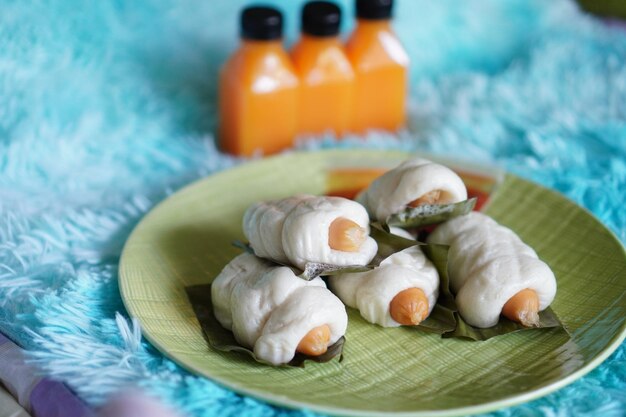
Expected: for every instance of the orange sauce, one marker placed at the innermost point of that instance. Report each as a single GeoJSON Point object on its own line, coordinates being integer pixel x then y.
{"type": "Point", "coordinates": [348, 182]}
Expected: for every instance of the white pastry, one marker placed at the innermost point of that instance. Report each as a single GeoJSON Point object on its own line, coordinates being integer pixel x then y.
{"type": "Point", "coordinates": [412, 179]}
{"type": "Point", "coordinates": [371, 292]}
{"type": "Point", "coordinates": [296, 230]}
{"type": "Point", "coordinates": [487, 265]}
{"type": "Point", "coordinates": [401, 232]}
{"type": "Point", "coordinates": [263, 226]}
{"type": "Point", "coordinates": [270, 310]}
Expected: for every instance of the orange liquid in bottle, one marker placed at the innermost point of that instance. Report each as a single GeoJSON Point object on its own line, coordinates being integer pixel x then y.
{"type": "Point", "coordinates": [326, 85]}
{"type": "Point", "coordinates": [326, 75]}
{"type": "Point", "coordinates": [381, 67]}
{"type": "Point", "coordinates": [258, 91]}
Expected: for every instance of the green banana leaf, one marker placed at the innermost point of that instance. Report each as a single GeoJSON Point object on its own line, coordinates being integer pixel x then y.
{"type": "Point", "coordinates": [547, 319]}
{"type": "Point", "coordinates": [388, 244]}
{"type": "Point", "coordinates": [427, 214]}
{"type": "Point", "coordinates": [312, 270]}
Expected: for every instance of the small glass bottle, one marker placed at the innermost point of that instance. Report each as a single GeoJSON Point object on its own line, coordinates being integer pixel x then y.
{"type": "Point", "coordinates": [381, 67]}
{"type": "Point", "coordinates": [326, 75]}
{"type": "Point", "coordinates": [258, 91]}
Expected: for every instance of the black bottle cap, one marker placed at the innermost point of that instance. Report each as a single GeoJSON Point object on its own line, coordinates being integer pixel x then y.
{"type": "Point", "coordinates": [374, 9]}
{"type": "Point", "coordinates": [261, 23]}
{"type": "Point", "coordinates": [321, 18]}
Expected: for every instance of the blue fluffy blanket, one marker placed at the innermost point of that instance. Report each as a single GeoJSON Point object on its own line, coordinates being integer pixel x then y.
{"type": "Point", "coordinates": [106, 107]}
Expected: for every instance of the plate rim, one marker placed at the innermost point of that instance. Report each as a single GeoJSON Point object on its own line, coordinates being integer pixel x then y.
{"type": "Point", "coordinates": [283, 401]}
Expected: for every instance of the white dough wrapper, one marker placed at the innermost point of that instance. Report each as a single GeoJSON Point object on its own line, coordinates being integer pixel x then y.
{"type": "Point", "coordinates": [306, 229]}
{"type": "Point", "coordinates": [263, 226]}
{"type": "Point", "coordinates": [306, 309]}
{"type": "Point", "coordinates": [250, 293]}
{"type": "Point", "coordinates": [371, 292]}
{"type": "Point", "coordinates": [253, 300]}
{"type": "Point", "coordinates": [488, 264]}
{"type": "Point", "coordinates": [295, 230]}
{"type": "Point", "coordinates": [242, 268]}
{"type": "Point", "coordinates": [394, 190]}
{"type": "Point", "coordinates": [401, 232]}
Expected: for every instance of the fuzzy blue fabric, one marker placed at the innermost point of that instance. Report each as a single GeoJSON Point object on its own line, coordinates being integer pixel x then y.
{"type": "Point", "coordinates": [107, 107]}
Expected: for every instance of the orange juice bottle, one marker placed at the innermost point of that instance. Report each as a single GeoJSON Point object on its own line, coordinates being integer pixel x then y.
{"type": "Point", "coordinates": [381, 67]}
{"type": "Point", "coordinates": [258, 91]}
{"type": "Point", "coordinates": [326, 75]}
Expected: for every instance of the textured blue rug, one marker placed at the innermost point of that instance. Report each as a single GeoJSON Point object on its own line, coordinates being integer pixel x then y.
{"type": "Point", "coordinates": [107, 107]}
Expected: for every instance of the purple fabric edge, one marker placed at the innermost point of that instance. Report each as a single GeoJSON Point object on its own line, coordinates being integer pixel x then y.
{"type": "Point", "coordinates": [51, 398]}
{"type": "Point", "coordinates": [614, 22]}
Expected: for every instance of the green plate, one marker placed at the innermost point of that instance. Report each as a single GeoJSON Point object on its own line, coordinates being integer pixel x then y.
{"type": "Point", "coordinates": [186, 240]}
